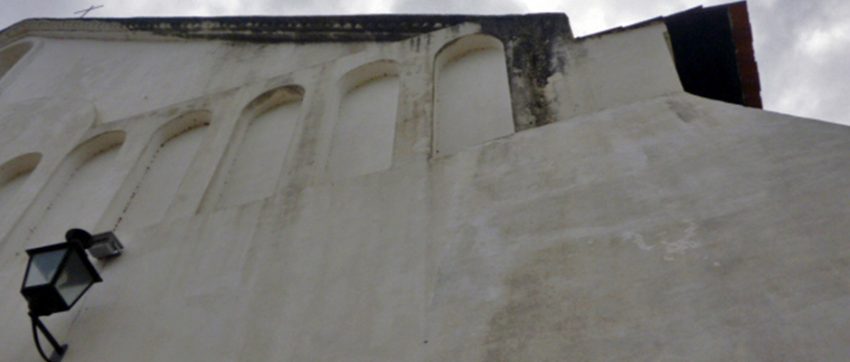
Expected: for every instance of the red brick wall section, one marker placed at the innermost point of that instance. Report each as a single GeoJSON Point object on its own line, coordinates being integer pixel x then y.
{"type": "Point", "coordinates": [747, 66]}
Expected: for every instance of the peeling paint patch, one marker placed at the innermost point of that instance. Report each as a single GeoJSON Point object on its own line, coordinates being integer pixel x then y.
{"type": "Point", "coordinates": [637, 239]}
{"type": "Point", "coordinates": [674, 240]}
{"type": "Point", "coordinates": [680, 240]}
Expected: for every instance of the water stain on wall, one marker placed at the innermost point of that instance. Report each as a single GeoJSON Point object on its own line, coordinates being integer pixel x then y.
{"type": "Point", "coordinates": [542, 317]}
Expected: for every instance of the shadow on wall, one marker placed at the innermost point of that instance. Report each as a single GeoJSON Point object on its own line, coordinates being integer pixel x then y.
{"type": "Point", "coordinates": [10, 55]}
{"type": "Point", "coordinates": [472, 101]}
{"type": "Point", "coordinates": [364, 131]}
{"type": "Point", "coordinates": [13, 174]}
{"type": "Point", "coordinates": [75, 189]}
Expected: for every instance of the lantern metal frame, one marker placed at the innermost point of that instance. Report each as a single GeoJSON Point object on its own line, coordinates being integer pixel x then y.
{"type": "Point", "coordinates": [46, 298]}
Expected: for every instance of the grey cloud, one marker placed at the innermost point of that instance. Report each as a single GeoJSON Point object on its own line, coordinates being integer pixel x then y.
{"type": "Point", "coordinates": [459, 7]}
{"type": "Point", "coordinates": [794, 79]}
{"type": "Point", "coordinates": [17, 10]}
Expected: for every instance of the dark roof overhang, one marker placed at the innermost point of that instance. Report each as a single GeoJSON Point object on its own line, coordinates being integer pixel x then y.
{"type": "Point", "coordinates": [713, 51]}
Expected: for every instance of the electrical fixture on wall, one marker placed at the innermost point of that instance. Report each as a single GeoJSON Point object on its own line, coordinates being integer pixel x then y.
{"type": "Point", "coordinates": [58, 275]}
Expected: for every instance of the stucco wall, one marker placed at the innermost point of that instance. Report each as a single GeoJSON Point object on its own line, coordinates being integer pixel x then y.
{"type": "Point", "coordinates": [472, 101]}
{"type": "Point", "coordinates": [364, 130]}
{"type": "Point", "coordinates": [258, 160]}
{"type": "Point", "coordinates": [616, 68]}
{"type": "Point", "coordinates": [286, 202]}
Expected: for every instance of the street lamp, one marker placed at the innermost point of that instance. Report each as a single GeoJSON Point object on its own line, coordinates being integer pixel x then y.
{"type": "Point", "coordinates": [58, 275]}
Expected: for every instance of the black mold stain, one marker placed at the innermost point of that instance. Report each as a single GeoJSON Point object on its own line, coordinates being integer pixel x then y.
{"type": "Point", "coordinates": [531, 44]}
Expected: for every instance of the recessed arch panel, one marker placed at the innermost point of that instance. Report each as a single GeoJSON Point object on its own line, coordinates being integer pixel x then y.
{"type": "Point", "coordinates": [364, 132]}
{"type": "Point", "coordinates": [9, 56]}
{"type": "Point", "coordinates": [79, 199]}
{"type": "Point", "coordinates": [472, 102]}
{"type": "Point", "coordinates": [13, 174]}
{"type": "Point", "coordinates": [263, 137]}
{"type": "Point", "coordinates": [175, 146]}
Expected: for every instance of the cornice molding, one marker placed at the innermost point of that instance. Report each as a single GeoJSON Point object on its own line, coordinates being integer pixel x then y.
{"type": "Point", "coordinates": [299, 29]}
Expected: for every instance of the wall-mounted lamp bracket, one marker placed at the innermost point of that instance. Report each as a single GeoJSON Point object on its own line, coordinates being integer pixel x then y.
{"type": "Point", "coordinates": [100, 246]}
{"type": "Point", "coordinates": [58, 275]}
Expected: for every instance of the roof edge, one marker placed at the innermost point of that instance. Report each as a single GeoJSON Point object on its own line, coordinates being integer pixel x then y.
{"type": "Point", "coordinates": [301, 29]}
{"type": "Point", "coordinates": [713, 51]}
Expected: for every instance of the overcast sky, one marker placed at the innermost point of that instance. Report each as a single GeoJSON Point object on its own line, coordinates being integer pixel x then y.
{"type": "Point", "coordinates": [802, 46]}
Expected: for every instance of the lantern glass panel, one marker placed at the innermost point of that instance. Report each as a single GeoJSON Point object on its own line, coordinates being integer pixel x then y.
{"type": "Point", "coordinates": [43, 266]}
{"type": "Point", "coordinates": [74, 278]}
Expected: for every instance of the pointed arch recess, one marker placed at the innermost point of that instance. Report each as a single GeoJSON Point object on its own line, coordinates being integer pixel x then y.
{"type": "Point", "coordinates": [261, 141]}
{"type": "Point", "coordinates": [472, 102]}
{"type": "Point", "coordinates": [364, 132]}
{"type": "Point", "coordinates": [171, 151]}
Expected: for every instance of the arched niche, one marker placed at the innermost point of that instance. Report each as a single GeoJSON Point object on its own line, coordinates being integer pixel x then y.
{"type": "Point", "coordinates": [364, 131]}
{"type": "Point", "coordinates": [10, 55]}
{"type": "Point", "coordinates": [169, 155]}
{"type": "Point", "coordinates": [76, 189]}
{"type": "Point", "coordinates": [261, 141]}
{"type": "Point", "coordinates": [13, 174]}
{"type": "Point", "coordinates": [472, 101]}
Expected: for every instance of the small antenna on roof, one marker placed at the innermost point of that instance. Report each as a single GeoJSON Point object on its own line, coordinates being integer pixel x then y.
{"type": "Point", "coordinates": [86, 11]}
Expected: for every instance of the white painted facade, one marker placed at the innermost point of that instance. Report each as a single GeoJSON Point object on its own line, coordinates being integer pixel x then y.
{"type": "Point", "coordinates": [379, 201]}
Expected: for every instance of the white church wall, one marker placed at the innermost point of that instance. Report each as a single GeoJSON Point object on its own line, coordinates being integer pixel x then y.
{"type": "Point", "coordinates": [161, 73]}
{"type": "Point", "coordinates": [616, 68]}
{"type": "Point", "coordinates": [424, 57]}
{"type": "Point", "coordinates": [472, 102]}
{"type": "Point", "coordinates": [316, 243]}
{"type": "Point", "coordinates": [448, 253]}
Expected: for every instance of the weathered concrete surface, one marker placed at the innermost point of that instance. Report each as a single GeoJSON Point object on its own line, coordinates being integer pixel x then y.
{"type": "Point", "coordinates": [646, 224]}
{"type": "Point", "coordinates": [128, 78]}
{"type": "Point", "coordinates": [615, 69]}
{"type": "Point", "coordinates": [674, 228]}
